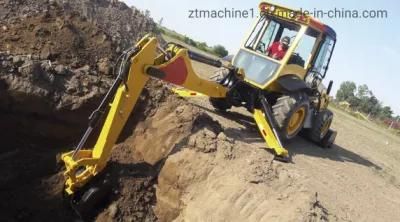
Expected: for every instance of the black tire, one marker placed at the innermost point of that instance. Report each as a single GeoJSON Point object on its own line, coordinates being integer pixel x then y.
{"type": "Point", "coordinates": [329, 139]}
{"type": "Point", "coordinates": [283, 111]}
{"type": "Point", "coordinates": [320, 127]}
{"type": "Point", "coordinates": [220, 104]}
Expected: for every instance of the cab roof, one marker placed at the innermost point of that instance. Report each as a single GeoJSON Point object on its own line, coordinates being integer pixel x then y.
{"type": "Point", "coordinates": [297, 17]}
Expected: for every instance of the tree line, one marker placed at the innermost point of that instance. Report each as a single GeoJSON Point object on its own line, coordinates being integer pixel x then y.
{"type": "Point", "coordinates": [361, 98]}
{"type": "Point", "coordinates": [218, 50]}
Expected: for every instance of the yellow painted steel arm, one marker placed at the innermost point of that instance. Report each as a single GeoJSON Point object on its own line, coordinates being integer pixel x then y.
{"type": "Point", "coordinates": [268, 134]}
{"type": "Point", "coordinates": [179, 71]}
{"type": "Point", "coordinates": [87, 163]}
{"type": "Point", "coordinates": [83, 164]}
{"type": "Point", "coordinates": [182, 92]}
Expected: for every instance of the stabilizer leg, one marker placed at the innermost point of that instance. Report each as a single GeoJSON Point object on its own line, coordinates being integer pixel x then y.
{"type": "Point", "coordinates": [268, 131]}
{"type": "Point", "coordinates": [269, 136]}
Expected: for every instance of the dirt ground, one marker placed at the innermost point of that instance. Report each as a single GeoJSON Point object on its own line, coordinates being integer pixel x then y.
{"type": "Point", "coordinates": [356, 180]}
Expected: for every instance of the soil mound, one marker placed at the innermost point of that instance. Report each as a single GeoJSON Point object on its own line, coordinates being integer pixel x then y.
{"type": "Point", "coordinates": [57, 60]}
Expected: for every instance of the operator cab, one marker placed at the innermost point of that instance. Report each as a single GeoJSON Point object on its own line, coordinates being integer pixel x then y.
{"type": "Point", "coordinates": [309, 52]}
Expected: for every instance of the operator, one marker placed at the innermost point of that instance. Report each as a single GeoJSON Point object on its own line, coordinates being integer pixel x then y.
{"type": "Point", "coordinates": [278, 49]}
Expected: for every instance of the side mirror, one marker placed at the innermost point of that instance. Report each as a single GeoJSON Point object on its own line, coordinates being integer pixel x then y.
{"type": "Point", "coordinates": [328, 91]}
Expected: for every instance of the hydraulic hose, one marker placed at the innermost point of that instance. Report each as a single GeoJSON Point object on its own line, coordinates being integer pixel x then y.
{"type": "Point", "coordinates": [96, 115]}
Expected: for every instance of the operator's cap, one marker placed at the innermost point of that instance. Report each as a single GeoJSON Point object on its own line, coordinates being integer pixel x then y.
{"type": "Point", "coordinates": [285, 40]}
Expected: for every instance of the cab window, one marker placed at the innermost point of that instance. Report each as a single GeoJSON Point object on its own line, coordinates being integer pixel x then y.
{"type": "Point", "coordinates": [275, 31]}
{"type": "Point", "coordinates": [303, 53]}
{"type": "Point", "coordinates": [268, 31]}
{"type": "Point", "coordinates": [322, 60]}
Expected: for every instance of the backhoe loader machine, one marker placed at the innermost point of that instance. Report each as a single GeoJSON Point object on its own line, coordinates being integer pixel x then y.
{"type": "Point", "coordinates": [285, 96]}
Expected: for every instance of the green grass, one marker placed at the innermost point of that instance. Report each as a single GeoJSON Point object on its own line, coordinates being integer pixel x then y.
{"type": "Point", "coordinates": [202, 46]}
{"type": "Point", "coordinates": [373, 125]}
{"type": "Point", "coordinates": [168, 38]}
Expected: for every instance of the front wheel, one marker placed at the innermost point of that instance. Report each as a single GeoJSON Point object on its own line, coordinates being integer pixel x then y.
{"type": "Point", "coordinates": [290, 112]}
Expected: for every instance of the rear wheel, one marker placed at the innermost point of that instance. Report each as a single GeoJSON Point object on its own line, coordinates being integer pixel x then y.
{"type": "Point", "coordinates": [290, 112]}
{"type": "Point", "coordinates": [321, 125]}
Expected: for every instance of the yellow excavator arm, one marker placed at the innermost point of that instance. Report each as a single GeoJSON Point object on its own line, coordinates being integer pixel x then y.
{"type": "Point", "coordinates": [138, 64]}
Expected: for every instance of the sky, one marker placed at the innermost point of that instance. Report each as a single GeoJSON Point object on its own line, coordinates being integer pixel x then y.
{"type": "Point", "coordinates": [367, 50]}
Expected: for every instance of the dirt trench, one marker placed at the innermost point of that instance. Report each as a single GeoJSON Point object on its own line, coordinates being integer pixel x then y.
{"type": "Point", "coordinates": [56, 63]}
{"type": "Point", "coordinates": [161, 125]}
{"type": "Point", "coordinates": [32, 182]}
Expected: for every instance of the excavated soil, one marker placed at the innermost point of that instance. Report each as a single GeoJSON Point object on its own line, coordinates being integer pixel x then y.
{"type": "Point", "coordinates": [57, 60]}
{"type": "Point", "coordinates": [56, 63]}
{"type": "Point", "coordinates": [32, 181]}
{"type": "Point", "coordinates": [161, 125]}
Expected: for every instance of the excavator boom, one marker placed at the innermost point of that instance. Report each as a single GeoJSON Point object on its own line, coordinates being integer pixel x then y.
{"type": "Point", "coordinates": [172, 65]}
{"type": "Point", "coordinates": [82, 164]}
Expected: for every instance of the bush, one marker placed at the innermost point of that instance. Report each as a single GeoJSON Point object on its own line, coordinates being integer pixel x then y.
{"type": "Point", "coordinates": [190, 41]}
{"type": "Point", "coordinates": [220, 50]}
{"type": "Point", "coordinates": [202, 46]}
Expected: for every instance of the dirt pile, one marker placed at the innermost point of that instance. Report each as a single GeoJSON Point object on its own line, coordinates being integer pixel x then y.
{"type": "Point", "coordinates": [165, 129]}
{"type": "Point", "coordinates": [195, 185]}
{"type": "Point", "coordinates": [202, 172]}
{"type": "Point", "coordinates": [32, 181]}
{"type": "Point", "coordinates": [56, 61]}
{"type": "Point", "coordinates": [123, 24]}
